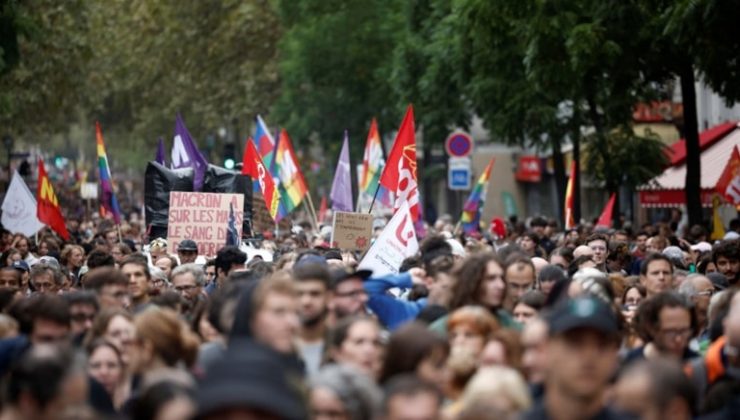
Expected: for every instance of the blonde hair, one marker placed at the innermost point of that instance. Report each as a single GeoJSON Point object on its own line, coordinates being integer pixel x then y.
{"type": "Point", "coordinates": [502, 382]}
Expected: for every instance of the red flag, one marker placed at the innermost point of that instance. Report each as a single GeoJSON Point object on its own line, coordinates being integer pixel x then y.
{"type": "Point", "coordinates": [569, 222]}
{"type": "Point", "coordinates": [605, 219]}
{"type": "Point", "coordinates": [47, 207]}
{"type": "Point", "coordinates": [253, 166]}
{"type": "Point", "coordinates": [399, 174]}
{"type": "Point", "coordinates": [729, 183]}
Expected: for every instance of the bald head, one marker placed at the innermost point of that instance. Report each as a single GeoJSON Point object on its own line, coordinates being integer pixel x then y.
{"type": "Point", "coordinates": [581, 251]}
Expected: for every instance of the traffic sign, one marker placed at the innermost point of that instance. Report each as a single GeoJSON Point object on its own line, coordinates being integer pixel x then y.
{"type": "Point", "coordinates": [459, 144]}
{"type": "Point", "coordinates": [459, 173]}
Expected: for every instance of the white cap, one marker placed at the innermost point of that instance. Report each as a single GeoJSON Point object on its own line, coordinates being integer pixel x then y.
{"type": "Point", "coordinates": [457, 249]}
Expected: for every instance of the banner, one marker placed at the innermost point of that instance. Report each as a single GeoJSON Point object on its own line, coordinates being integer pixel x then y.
{"type": "Point", "coordinates": [396, 243]}
{"type": "Point", "coordinates": [351, 231]}
{"type": "Point", "coordinates": [160, 181]}
{"type": "Point", "coordinates": [19, 208]}
{"type": "Point", "coordinates": [202, 217]}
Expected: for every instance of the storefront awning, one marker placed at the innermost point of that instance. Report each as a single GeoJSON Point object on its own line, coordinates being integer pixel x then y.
{"type": "Point", "coordinates": [667, 189]}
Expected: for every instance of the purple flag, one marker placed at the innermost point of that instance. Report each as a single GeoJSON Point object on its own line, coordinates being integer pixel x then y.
{"type": "Point", "coordinates": [160, 152]}
{"type": "Point", "coordinates": [185, 154]}
{"type": "Point", "coordinates": [341, 188]}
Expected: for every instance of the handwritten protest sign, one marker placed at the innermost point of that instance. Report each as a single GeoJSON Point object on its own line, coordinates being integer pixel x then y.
{"type": "Point", "coordinates": [204, 218]}
{"type": "Point", "coordinates": [351, 231]}
{"type": "Point", "coordinates": [396, 243]}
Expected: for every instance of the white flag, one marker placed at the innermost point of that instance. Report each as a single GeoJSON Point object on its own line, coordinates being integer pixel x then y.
{"type": "Point", "coordinates": [396, 243]}
{"type": "Point", "coordinates": [19, 208]}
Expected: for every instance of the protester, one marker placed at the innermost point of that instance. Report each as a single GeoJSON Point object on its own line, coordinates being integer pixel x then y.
{"type": "Point", "coordinates": [312, 283]}
{"type": "Point", "coordinates": [409, 397]}
{"type": "Point", "coordinates": [581, 358]}
{"type": "Point", "coordinates": [339, 391]}
{"type": "Point", "coordinates": [356, 341]}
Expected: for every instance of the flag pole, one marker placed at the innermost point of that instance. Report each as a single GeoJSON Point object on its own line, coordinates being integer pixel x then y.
{"type": "Point", "coordinates": [312, 211]}
{"type": "Point", "coordinates": [372, 203]}
{"type": "Point", "coordinates": [120, 238]}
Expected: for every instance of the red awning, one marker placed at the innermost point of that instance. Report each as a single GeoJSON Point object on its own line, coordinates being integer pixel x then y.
{"type": "Point", "coordinates": [667, 189]}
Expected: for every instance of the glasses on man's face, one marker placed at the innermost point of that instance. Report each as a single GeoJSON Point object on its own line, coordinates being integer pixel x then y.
{"type": "Point", "coordinates": [353, 294]}
{"type": "Point", "coordinates": [185, 288]}
{"type": "Point", "coordinates": [675, 333]}
{"type": "Point", "coordinates": [705, 293]}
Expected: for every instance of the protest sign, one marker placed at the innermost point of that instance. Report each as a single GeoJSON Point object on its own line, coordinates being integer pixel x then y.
{"type": "Point", "coordinates": [202, 217]}
{"type": "Point", "coordinates": [396, 243]}
{"type": "Point", "coordinates": [351, 231]}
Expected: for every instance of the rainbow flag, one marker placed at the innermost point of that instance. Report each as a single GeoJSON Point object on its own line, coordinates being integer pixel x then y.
{"type": "Point", "coordinates": [108, 198]}
{"type": "Point", "coordinates": [372, 161]}
{"type": "Point", "coordinates": [470, 218]}
{"type": "Point", "coordinates": [292, 185]}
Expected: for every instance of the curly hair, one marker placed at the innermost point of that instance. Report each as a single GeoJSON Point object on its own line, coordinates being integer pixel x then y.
{"type": "Point", "coordinates": [470, 274]}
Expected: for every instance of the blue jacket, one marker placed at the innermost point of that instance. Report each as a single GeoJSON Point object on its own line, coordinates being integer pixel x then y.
{"type": "Point", "coordinates": [391, 311]}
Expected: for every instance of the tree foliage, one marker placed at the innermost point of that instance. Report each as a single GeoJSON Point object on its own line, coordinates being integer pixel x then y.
{"type": "Point", "coordinates": [333, 65]}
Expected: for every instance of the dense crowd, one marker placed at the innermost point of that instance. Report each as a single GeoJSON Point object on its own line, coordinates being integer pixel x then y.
{"type": "Point", "coordinates": [525, 321]}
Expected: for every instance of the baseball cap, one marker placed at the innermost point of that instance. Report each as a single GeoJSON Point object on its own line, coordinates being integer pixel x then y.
{"type": "Point", "coordinates": [582, 312]}
{"type": "Point", "coordinates": [340, 274]}
{"type": "Point", "coordinates": [719, 280]}
{"type": "Point", "coordinates": [49, 260]}
{"type": "Point", "coordinates": [21, 265]}
{"type": "Point", "coordinates": [187, 245]}
{"type": "Point", "coordinates": [702, 247]}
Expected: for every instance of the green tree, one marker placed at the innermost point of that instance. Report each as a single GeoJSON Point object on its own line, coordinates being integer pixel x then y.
{"type": "Point", "coordinates": [42, 65]}
{"type": "Point", "coordinates": [693, 38]}
{"type": "Point", "coordinates": [334, 66]}
{"type": "Point", "coordinates": [216, 63]}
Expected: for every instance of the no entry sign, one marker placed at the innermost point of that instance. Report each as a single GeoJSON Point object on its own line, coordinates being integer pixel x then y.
{"type": "Point", "coordinates": [459, 144]}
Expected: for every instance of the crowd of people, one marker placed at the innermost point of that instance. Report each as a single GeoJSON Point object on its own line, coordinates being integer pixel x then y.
{"type": "Point", "coordinates": [525, 321]}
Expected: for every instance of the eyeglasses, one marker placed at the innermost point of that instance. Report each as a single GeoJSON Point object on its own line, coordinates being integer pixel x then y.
{"type": "Point", "coordinates": [354, 294]}
{"type": "Point", "coordinates": [676, 333]}
{"type": "Point", "coordinates": [705, 293]}
{"type": "Point", "coordinates": [185, 288]}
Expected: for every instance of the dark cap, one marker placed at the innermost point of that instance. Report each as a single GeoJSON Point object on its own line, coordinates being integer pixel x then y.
{"type": "Point", "coordinates": [255, 378]}
{"type": "Point", "coordinates": [582, 312]}
{"type": "Point", "coordinates": [719, 280]}
{"type": "Point", "coordinates": [340, 274]}
{"type": "Point", "coordinates": [187, 245]}
{"type": "Point", "coordinates": [21, 265]}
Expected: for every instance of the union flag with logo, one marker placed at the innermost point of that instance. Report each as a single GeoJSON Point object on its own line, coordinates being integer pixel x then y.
{"type": "Point", "coordinates": [47, 207]}
{"type": "Point", "coordinates": [399, 174]}
{"type": "Point", "coordinates": [729, 182]}
{"type": "Point", "coordinates": [256, 169]}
